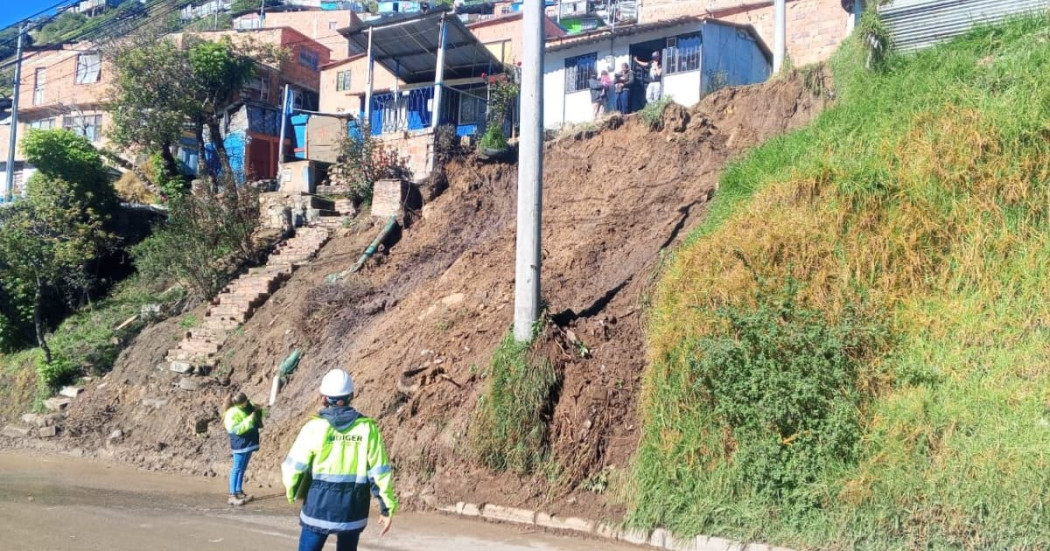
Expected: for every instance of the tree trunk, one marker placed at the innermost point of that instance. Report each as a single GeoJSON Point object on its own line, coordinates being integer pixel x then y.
{"type": "Point", "coordinates": [220, 148]}
{"type": "Point", "coordinates": [171, 166]}
{"type": "Point", "coordinates": [38, 322]}
{"type": "Point", "coordinates": [202, 164]}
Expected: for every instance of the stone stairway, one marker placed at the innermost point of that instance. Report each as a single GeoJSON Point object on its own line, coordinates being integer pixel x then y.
{"type": "Point", "coordinates": [198, 351]}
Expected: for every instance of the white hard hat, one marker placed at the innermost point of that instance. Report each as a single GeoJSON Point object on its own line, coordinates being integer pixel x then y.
{"type": "Point", "coordinates": [336, 384]}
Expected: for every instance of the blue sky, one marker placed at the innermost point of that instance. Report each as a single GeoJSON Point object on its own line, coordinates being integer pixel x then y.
{"type": "Point", "coordinates": [15, 10]}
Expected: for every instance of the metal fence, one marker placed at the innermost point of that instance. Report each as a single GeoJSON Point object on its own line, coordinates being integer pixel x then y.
{"type": "Point", "coordinates": [413, 110]}
{"type": "Point", "coordinates": [917, 24]}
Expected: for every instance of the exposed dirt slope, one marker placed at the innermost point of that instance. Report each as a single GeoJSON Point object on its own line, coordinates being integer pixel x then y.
{"type": "Point", "coordinates": [441, 299]}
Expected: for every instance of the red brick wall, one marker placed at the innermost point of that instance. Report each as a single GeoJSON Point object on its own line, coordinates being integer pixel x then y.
{"type": "Point", "coordinates": [317, 25]}
{"type": "Point", "coordinates": [814, 27]}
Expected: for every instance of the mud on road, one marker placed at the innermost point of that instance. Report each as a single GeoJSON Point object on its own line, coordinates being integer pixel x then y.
{"type": "Point", "coordinates": [69, 504]}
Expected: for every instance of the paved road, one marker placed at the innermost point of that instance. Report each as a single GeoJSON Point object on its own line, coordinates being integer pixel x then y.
{"type": "Point", "coordinates": [60, 503]}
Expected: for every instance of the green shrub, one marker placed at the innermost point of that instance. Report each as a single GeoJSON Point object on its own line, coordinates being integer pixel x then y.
{"type": "Point", "coordinates": [653, 112]}
{"type": "Point", "coordinates": [509, 431]}
{"type": "Point", "coordinates": [206, 238]}
{"type": "Point", "coordinates": [783, 381]}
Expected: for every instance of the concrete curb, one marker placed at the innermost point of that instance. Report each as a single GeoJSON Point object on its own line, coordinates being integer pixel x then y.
{"type": "Point", "coordinates": [658, 538]}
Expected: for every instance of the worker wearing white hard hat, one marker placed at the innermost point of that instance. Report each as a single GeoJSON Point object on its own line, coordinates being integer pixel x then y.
{"type": "Point", "coordinates": [340, 458]}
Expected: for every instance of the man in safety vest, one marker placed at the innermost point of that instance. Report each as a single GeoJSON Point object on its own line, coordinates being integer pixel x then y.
{"type": "Point", "coordinates": [342, 452]}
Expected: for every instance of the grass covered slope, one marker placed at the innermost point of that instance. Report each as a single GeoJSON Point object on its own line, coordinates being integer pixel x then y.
{"type": "Point", "coordinates": [854, 350]}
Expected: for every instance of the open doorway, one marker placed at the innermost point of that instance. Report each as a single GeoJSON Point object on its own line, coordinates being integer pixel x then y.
{"type": "Point", "coordinates": [643, 51]}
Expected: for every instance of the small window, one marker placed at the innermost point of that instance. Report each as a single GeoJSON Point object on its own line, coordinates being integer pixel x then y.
{"type": "Point", "coordinates": [308, 59]}
{"type": "Point", "coordinates": [39, 79]}
{"type": "Point", "coordinates": [89, 126]}
{"type": "Point", "coordinates": [578, 71]}
{"type": "Point", "coordinates": [682, 53]}
{"type": "Point", "coordinates": [342, 81]}
{"type": "Point", "coordinates": [333, 25]}
{"type": "Point", "coordinates": [471, 109]}
{"type": "Point", "coordinates": [89, 67]}
{"type": "Point", "coordinates": [43, 124]}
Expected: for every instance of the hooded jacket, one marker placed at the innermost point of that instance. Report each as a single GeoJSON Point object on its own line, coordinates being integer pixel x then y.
{"type": "Point", "coordinates": [242, 428]}
{"type": "Point", "coordinates": [343, 453]}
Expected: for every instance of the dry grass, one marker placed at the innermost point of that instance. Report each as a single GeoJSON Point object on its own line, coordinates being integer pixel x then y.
{"type": "Point", "coordinates": [924, 195]}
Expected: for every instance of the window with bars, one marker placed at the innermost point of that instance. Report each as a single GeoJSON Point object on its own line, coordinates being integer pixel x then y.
{"type": "Point", "coordinates": [342, 81]}
{"type": "Point", "coordinates": [682, 53]}
{"type": "Point", "coordinates": [308, 59]}
{"type": "Point", "coordinates": [89, 68]}
{"type": "Point", "coordinates": [471, 108]}
{"type": "Point", "coordinates": [89, 126]}
{"type": "Point", "coordinates": [578, 70]}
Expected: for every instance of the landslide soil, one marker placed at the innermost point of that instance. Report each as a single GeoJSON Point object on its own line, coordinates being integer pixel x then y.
{"type": "Point", "coordinates": [436, 303]}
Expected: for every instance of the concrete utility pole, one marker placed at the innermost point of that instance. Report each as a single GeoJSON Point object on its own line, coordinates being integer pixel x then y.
{"type": "Point", "coordinates": [9, 180]}
{"type": "Point", "coordinates": [439, 75]}
{"type": "Point", "coordinates": [368, 85]}
{"type": "Point", "coordinates": [779, 34]}
{"type": "Point", "coordinates": [530, 175]}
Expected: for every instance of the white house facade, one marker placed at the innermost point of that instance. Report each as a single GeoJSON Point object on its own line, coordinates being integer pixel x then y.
{"type": "Point", "coordinates": [699, 56]}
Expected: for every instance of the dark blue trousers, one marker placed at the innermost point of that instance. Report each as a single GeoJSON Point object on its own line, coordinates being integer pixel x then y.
{"type": "Point", "coordinates": [313, 541]}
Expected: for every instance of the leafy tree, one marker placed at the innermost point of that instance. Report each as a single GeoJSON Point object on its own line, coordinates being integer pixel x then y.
{"type": "Point", "coordinates": [48, 239]}
{"type": "Point", "coordinates": [153, 98]}
{"type": "Point", "coordinates": [219, 71]}
{"type": "Point", "coordinates": [161, 88]}
{"type": "Point", "coordinates": [205, 239]}
{"type": "Point", "coordinates": [65, 156]}
{"type": "Point", "coordinates": [8, 41]}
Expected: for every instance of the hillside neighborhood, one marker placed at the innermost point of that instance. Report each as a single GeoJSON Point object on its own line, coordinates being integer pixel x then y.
{"type": "Point", "coordinates": [698, 275]}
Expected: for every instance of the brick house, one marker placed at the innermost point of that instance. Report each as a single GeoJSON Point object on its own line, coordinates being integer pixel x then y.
{"type": "Point", "coordinates": [320, 25]}
{"type": "Point", "coordinates": [252, 126]}
{"type": "Point", "coordinates": [814, 27]}
{"type": "Point", "coordinates": [63, 86]}
{"type": "Point", "coordinates": [502, 35]}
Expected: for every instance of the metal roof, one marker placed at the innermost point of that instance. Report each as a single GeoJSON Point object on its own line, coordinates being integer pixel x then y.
{"type": "Point", "coordinates": [917, 24]}
{"type": "Point", "coordinates": [407, 46]}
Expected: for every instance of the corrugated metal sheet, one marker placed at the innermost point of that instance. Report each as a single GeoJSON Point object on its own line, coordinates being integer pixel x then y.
{"type": "Point", "coordinates": [917, 24]}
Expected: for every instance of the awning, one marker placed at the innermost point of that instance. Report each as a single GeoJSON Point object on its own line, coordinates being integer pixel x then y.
{"type": "Point", "coordinates": [407, 46]}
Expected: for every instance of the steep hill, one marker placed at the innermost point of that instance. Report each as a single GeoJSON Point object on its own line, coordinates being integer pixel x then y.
{"type": "Point", "coordinates": [417, 327]}
{"type": "Point", "coordinates": [851, 351]}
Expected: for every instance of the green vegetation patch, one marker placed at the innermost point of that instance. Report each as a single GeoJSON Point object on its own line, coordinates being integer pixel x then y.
{"type": "Point", "coordinates": [900, 399]}
{"type": "Point", "coordinates": [509, 431]}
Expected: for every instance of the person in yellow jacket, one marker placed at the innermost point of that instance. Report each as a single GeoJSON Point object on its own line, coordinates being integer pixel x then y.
{"type": "Point", "coordinates": [242, 420]}
{"type": "Point", "coordinates": [343, 454]}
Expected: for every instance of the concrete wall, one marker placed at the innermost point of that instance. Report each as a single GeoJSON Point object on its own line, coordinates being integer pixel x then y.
{"type": "Point", "coordinates": [417, 147]}
{"type": "Point", "coordinates": [503, 35]}
{"type": "Point", "coordinates": [814, 27]}
{"type": "Point", "coordinates": [349, 101]}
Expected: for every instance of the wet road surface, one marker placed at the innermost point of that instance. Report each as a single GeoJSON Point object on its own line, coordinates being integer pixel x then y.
{"type": "Point", "coordinates": [61, 503]}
